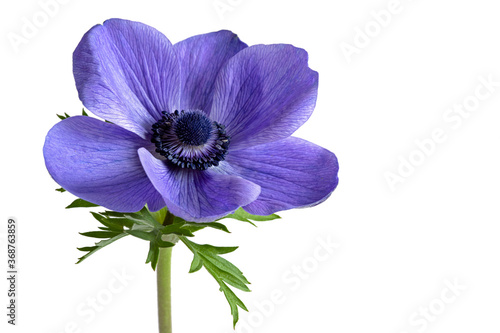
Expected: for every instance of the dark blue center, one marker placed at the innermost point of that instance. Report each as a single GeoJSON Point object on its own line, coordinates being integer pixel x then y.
{"type": "Point", "coordinates": [193, 128]}
{"type": "Point", "coordinates": [189, 139]}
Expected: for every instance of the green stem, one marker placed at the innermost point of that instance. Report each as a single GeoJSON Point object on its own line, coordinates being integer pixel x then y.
{"type": "Point", "coordinates": [163, 270]}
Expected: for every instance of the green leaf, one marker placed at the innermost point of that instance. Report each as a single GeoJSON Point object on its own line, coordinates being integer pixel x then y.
{"type": "Point", "coordinates": [142, 225]}
{"type": "Point", "coordinates": [221, 267]}
{"type": "Point", "coordinates": [153, 254]}
{"type": "Point", "coordinates": [142, 234]}
{"type": "Point", "coordinates": [234, 302]}
{"type": "Point", "coordinates": [154, 248]}
{"type": "Point", "coordinates": [192, 226]}
{"type": "Point", "coordinates": [115, 218]}
{"type": "Point", "coordinates": [60, 190]}
{"type": "Point", "coordinates": [100, 234]}
{"type": "Point", "coordinates": [115, 224]}
{"type": "Point", "coordinates": [242, 215]}
{"type": "Point", "coordinates": [88, 248]}
{"type": "Point", "coordinates": [222, 270]}
{"type": "Point", "coordinates": [148, 226]}
{"type": "Point", "coordinates": [196, 264]}
{"type": "Point", "coordinates": [177, 229]}
{"type": "Point", "coordinates": [99, 245]}
{"type": "Point", "coordinates": [143, 217]}
{"type": "Point", "coordinates": [78, 203]}
{"type": "Point", "coordinates": [110, 213]}
{"type": "Point", "coordinates": [63, 116]}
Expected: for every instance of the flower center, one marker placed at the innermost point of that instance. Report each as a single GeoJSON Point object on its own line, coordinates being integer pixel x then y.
{"type": "Point", "coordinates": [189, 139]}
{"type": "Point", "coordinates": [193, 128]}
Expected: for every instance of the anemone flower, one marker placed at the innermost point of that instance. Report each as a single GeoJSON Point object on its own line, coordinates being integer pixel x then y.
{"type": "Point", "coordinates": [202, 126]}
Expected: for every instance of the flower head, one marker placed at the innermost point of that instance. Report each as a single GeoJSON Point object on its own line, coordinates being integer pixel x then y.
{"type": "Point", "coordinates": [202, 126]}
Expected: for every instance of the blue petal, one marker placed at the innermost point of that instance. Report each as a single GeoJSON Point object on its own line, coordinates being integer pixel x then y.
{"type": "Point", "coordinates": [264, 93]}
{"type": "Point", "coordinates": [98, 162]}
{"type": "Point", "coordinates": [198, 196]}
{"type": "Point", "coordinates": [292, 173]}
{"type": "Point", "coordinates": [127, 72]}
{"type": "Point", "coordinates": [201, 58]}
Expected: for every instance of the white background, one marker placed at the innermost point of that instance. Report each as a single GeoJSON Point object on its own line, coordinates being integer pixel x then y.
{"type": "Point", "coordinates": [399, 248]}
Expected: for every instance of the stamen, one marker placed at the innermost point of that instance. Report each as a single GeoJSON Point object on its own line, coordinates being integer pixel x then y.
{"type": "Point", "coordinates": [189, 139]}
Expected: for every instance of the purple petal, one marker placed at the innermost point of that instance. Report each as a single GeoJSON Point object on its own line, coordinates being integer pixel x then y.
{"type": "Point", "coordinates": [198, 196]}
{"type": "Point", "coordinates": [127, 72]}
{"type": "Point", "coordinates": [201, 58]}
{"type": "Point", "coordinates": [292, 173]}
{"type": "Point", "coordinates": [98, 162]}
{"type": "Point", "coordinates": [264, 93]}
